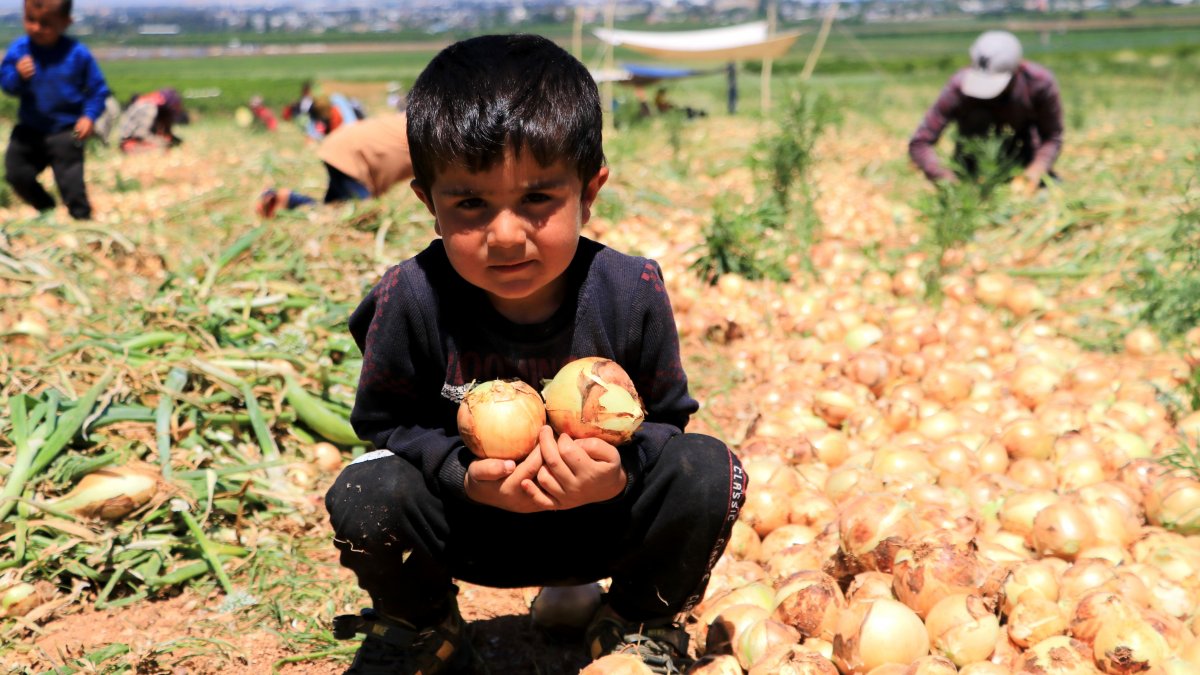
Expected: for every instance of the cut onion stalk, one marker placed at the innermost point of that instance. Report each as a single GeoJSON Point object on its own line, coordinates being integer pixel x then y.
{"type": "Point", "coordinates": [594, 397]}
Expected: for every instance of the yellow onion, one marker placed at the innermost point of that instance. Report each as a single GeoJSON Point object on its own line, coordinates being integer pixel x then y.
{"type": "Point", "coordinates": [759, 638]}
{"type": "Point", "coordinates": [785, 536]}
{"type": "Point", "coordinates": [872, 633]}
{"type": "Point", "coordinates": [1034, 577]}
{"type": "Point", "coordinates": [810, 602]}
{"type": "Point", "coordinates": [871, 525]}
{"type": "Point", "coordinates": [326, 456]}
{"type": "Point", "coordinates": [1034, 619]}
{"type": "Point", "coordinates": [111, 493]}
{"type": "Point", "coordinates": [501, 419]}
{"type": "Point", "coordinates": [1097, 609]}
{"type": "Point", "coordinates": [924, 574]}
{"type": "Point", "coordinates": [1174, 503]}
{"type": "Point", "coordinates": [18, 599]}
{"type": "Point", "coordinates": [594, 397]}
{"type": "Point", "coordinates": [1058, 655]}
{"type": "Point", "coordinates": [984, 668]}
{"type": "Point", "coordinates": [744, 542]}
{"type": "Point", "coordinates": [931, 665]}
{"type": "Point", "coordinates": [1019, 510]}
{"type": "Point", "coordinates": [765, 510]}
{"type": "Point", "coordinates": [617, 664]}
{"type": "Point", "coordinates": [1062, 529]}
{"type": "Point", "coordinates": [723, 630]}
{"type": "Point", "coordinates": [1129, 646]}
{"type": "Point", "coordinates": [790, 660]}
{"type": "Point", "coordinates": [716, 664]}
{"type": "Point", "coordinates": [565, 608]}
{"type": "Point", "coordinates": [962, 628]}
{"type": "Point", "coordinates": [870, 585]}
{"type": "Point", "coordinates": [754, 593]}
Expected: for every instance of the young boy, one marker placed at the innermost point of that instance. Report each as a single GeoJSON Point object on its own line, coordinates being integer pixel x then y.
{"type": "Point", "coordinates": [62, 93]}
{"type": "Point", "coordinates": [363, 160]}
{"type": "Point", "coordinates": [505, 138]}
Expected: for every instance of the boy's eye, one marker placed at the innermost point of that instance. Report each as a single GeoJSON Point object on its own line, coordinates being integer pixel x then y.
{"type": "Point", "coordinates": [537, 197]}
{"type": "Point", "coordinates": [470, 203]}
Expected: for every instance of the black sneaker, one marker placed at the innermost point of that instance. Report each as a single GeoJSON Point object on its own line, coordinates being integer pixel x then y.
{"type": "Point", "coordinates": [661, 644]}
{"type": "Point", "coordinates": [394, 647]}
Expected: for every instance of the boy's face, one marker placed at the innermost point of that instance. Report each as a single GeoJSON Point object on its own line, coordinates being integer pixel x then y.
{"type": "Point", "coordinates": [512, 230]}
{"type": "Point", "coordinates": [45, 22]}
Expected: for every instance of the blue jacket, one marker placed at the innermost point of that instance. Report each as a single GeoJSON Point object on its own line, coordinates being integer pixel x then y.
{"type": "Point", "coordinates": [67, 85]}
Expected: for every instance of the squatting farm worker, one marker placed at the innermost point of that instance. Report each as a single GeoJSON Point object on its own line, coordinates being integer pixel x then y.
{"type": "Point", "coordinates": [363, 160]}
{"type": "Point", "coordinates": [505, 137]}
{"type": "Point", "coordinates": [999, 91]}
{"type": "Point", "coordinates": [62, 93]}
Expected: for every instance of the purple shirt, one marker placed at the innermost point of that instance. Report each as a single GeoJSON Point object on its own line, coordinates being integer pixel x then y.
{"type": "Point", "coordinates": [1030, 107]}
{"type": "Point", "coordinates": [426, 333]}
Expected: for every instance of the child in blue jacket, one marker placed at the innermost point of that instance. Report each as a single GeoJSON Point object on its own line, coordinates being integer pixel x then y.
{"type": "Point", "coordinates": [62, 92]}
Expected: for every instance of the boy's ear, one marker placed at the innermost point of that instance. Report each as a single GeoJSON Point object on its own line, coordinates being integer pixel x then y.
{"type": "Point", "coordinates": [591, 190]}
{"type": "Point", "coordinates": [427, 200]}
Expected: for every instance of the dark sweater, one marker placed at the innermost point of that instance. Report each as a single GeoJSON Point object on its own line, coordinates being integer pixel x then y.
{"type": "Point", "coordinates": [1032, 109]}
{"type": "Point", "coordinates": [426, 333]}
{"type": "Point", "coordinates": [67, 84]}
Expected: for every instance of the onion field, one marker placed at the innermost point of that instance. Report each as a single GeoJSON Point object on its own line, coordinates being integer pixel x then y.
{"type": "Point", "coordinates": [970, 418]}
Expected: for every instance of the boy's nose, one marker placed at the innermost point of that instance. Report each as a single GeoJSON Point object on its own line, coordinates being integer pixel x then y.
{"type": "Point", "coordinates": [507, 230]}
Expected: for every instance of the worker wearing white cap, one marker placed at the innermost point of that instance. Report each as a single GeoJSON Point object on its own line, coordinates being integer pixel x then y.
{"type": "Point", "coordinates": [998, 91]}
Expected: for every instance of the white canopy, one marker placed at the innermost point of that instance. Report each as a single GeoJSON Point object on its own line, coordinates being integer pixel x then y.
{"type": "Point", "coordinates": [744, 41]}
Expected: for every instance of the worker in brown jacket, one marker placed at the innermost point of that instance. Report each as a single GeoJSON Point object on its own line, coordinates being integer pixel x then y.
{"type": "Point", "coordinates": [363, 160]}
{"type": "Point", "coordinates": [1000, 91]}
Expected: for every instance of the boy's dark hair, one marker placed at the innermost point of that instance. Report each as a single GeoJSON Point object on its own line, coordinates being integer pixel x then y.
{"type": "Point", "coordinates": [480, 96]}
{"type": "Point", "coordinates": [64, 6]}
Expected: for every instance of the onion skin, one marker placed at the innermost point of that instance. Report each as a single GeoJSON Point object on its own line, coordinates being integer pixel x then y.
{"type": "Point", "coordinates": [501, 419]}
{"type": "Point", "coordinates": [594, 397]}
{"type": "Point", "coordinates": [877, 632]}
{"type": "Point", "coordinates": [111, 493]}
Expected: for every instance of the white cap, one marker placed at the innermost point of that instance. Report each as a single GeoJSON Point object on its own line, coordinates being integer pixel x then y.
{"type": "Point", "coordinates": [994, 58]}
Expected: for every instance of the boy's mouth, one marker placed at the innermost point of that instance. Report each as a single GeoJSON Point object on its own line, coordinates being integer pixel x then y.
{"type": "Point", "coordinates": [512, 266]}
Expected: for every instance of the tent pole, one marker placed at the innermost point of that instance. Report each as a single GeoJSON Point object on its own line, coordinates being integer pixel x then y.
{"type": "Point", "coordinates": [772, 11]}
{"type": "Point", "coordinates": [610, 19]}
{"type": "Point", "coordinates": [819, 45]}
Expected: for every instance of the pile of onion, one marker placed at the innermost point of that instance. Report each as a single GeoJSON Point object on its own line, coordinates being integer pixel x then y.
{"type": "Point", "coordinates": [594, 397]}
{"type": "Point", "coordinates": [501, 419]}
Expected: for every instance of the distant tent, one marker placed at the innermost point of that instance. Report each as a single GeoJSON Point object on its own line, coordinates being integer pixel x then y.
{"type": "Point", "coordinates": [744, 41]}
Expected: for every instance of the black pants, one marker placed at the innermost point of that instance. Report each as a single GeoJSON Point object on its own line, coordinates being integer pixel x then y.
{"type": "Point", "coordinates": [30, 152]}
{"type": "Point", "coordinates": [658, 541]}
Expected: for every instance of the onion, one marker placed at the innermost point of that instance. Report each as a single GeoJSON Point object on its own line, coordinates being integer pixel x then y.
{"type": "Point", "coordinates": [1062, 529]}
{"type": "Point", "coordinates": [721, 633]}
{"type": "Point", "coordinates": [326, 456]}
{"type": "Point", "coordinates": [931, 665]}
{"type": "Point", "coordinates": [870, 586]}
{"type": "Point", "coordinates": [925, 574]}
{"type": "Point", "coordinates": [18, 599]}
{"type": "Point", "coordinates": [744, 542]}
{"type": "Point", "coordinates": [961, 627]}
{"type": "Point", "coordinates": [1019, 509]}
{"type": "Point", "coordinates": [1027, 439]}
{"type": "Point", "coordinates": [754, 593]}
{"type": "Point", "coordinates": [1129, 646]}
{"type": "Point", "coordinates": [1142, 341]}
{"type": "Point", "coordinates": [565, 608]}
{"type": "Point", "coordinates": [501, 419]}
{"type": "Point", "coordinates": [1058, 655]}
{"type": "Point", "coordinates": [594, 397]}
{"type": "Point", "coordinates": [790, 660]}
{"type": "Point", "coordinates": [765, 510]}
{"type": "Point", "coordinates": [617, 664]}
{"type": "Point", "coordinates": [810, 602]}
{"type": "Point", "coordinates": [760, 638]}
{"type": "Point", "coordinates": [984, 668]}
{"type": "Point", "coordinates": [872, 526]}
{"type": "Point", "coordinates": [716, 664]}
{"type": "Point", "coordinates": [1032, 384]}
{"type": "Point", "coordinates": [1097, 609]}
{"type": "Point", "coordinates": [872, 633]}
{"type": "Point", "coordinates": [1034, 619]}
{"type": "Point", "coordinates": [111, 493]}
{"type": "Point", "coordinates": [786, 536]}
{"type": "Point", "coordinates": [1035, 577]}
{"type": "Point", "coordinates": [1174, 503]}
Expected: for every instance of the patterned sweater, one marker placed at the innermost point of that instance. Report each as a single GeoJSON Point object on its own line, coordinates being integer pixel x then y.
{"type": "Point", "coordinates": [426, 334]}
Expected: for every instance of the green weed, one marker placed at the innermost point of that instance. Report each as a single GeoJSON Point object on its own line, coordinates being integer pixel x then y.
{"type": "Point", "coordinates": [783, 160]}
{"type": "Point", "coordinates": [123, 184]}
{"type": "Point", "coordinates": [746, 242]}
{"type": "Point", "coordinates": [1166, 285]}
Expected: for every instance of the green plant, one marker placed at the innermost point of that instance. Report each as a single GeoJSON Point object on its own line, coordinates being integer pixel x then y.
{"type": "Point", "coordinates": [673, 122]}
{"type": "Point", "coordinates": [123, 184]}
{"type": "Point", "coordinates": [746, 242]}
{"type": "Point", "coordinates": [1185, 457]}
{"type": "Point", "coordinates": [1166, 285]}
{"type": "Point", "coordinates": [783, 160]}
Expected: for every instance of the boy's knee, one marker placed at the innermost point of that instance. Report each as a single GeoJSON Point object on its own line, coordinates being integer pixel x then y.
{"type": "Point", "coordinates": [371, 491]}
{"type": "Point", "coordinates": [703, 462]}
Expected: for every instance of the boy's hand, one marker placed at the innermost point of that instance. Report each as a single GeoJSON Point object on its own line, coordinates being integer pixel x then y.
{"type": "Point", "coordinates": [83, 128]}
{"type": "Point", "coordinates": [576, 472]}
{"type": "Point", "coordinates": [25, 67]}
{"type": "Point", "coordinates": [500, 483]}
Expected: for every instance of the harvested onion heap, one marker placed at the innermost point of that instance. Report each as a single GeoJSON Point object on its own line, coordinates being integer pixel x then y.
{"type": "Point", "coordinates": [592, 397]}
